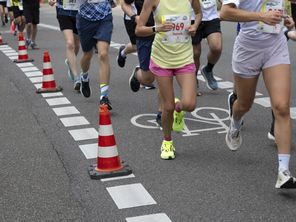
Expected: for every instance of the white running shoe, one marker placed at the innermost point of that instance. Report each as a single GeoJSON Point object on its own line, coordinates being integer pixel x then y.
{"type": "Point", "coordinates": [285, 180]}
{"type": "Point", "coordinates": [233, 137]}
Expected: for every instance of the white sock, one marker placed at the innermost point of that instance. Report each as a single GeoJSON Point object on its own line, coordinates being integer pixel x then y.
{"type": "Point", "coordinates": [236, 123]}
{"type": "Point", "coordinates": [284, 160]}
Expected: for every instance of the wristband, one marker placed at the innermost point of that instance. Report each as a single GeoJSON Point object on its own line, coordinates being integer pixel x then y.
{"type": "Point", "coordinates": [154, 29]}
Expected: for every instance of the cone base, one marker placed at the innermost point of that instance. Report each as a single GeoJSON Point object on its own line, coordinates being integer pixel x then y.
{"type": "Point", "coordinates": [97, 175]}
{"type": "Point", "coordinates": [50, 90]}
{"type": "Point", "coordinates": [3, 43]}
{"type": "Point", "coordinates": [22, 61]}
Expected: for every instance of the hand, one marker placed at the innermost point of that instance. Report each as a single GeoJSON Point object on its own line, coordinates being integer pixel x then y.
{"type": "Point", "coordinates": [289, 23]}
{"type": "Point", "coordinates": [192, 30]}
{"type": "Point", "coordinates": [52, 2]}
{"type": "Point", "coordinates": [165, 27]}
{"type": "Point", "coordinates": [271, 17]}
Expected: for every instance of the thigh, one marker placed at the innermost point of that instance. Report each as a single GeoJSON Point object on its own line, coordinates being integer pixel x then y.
{"type": "Point", "coordinates": [245, 89]}
{"type": "Point", "coordinates": [187, 83]}
{"type": "Point", "coordinates": [86, 30]}
{"type": "Point", "coordinates": [166, 90]}
{"type": "Point", "coordinates": [278, 83]}
{"type": "Point", "coordinates": [104, 29]}
{"type": "Point", "coordinates": [215, 41]}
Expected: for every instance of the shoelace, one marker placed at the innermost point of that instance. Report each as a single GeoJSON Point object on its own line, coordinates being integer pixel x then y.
{"type": "Point", "coordinates": [168, 147]}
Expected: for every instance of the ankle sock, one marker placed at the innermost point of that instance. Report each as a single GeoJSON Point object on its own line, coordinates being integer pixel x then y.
{"type": "Point", "coordinates": [284, 160]}
{"type": "Point", "coordinates": [209, 67]}
{"type": "Point", "coordinates": [104, 88]}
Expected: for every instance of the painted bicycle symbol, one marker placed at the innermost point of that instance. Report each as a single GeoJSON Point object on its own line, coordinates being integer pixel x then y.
{"type": "Point", "coordinates": [203, 119]}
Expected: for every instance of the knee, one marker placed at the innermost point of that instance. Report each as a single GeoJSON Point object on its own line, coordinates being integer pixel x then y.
{"type": "Point", "coordinates": [216, 49]}
{"type": "Point", "coordinates": [148, 78]}
{"type": "Point", "coordinates": [70, 45]}
{"type": "Point", "coordinates": [103, 55]}
{"type": "Point", "coordinates": [189, 105]}
{"type": "Point", "coordinates": [281, 110]}
{"type": "Point", "coordinates": [243, 106]}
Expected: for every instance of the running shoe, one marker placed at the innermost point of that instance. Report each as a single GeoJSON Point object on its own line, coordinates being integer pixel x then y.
{"type": "Point", "coordinates": [233, 137]}
{"type": "Point", "coordinates": [28, 42]}
{"type": "Point", "coordinates": [77, 85]}
{"type": "Point", "coordinates": [120, 58]}
{"type": "Point", "coordinates": [105, 101]}
{"type": "Point", "coordinates": [70, 74]}
{"type": "Point", "coordinates": [149, 87]}
{"type": "Point", "coordinates": [85, 87]}
{"type": "Point", "coordinates": [198, 93]}
{"type": "Point", "coordinates": [33, 45]}
{"type": "Point", "coordinates": [6, 19]}
{"type": "Point", "coordinates": [133, 81]}
{"type": "Point", "coordinates": [209, 78]}
{"type": "Point", "coordinates": [231, 98]}
{"type": "Point", "coordinates": [285, 180]}
{"type": "Point", "coordinates": [178, 124]}
{"type": "Point", "coordinates": [167, 150]}
{"type": "Point", "coordinates": [158, 120]}
{"type": "Point", "coordinates": [270, 134]}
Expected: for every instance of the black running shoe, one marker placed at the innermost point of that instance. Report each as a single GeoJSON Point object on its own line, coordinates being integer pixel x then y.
{"type": "Point", "coordinates": [270, 134]}
{"type": "Point", "coordinates": [85, 87]}
{"type": "Point", "coordinates": [285, 180]}
{"type": "Point", "coordinates": [158, 120]}
{"type": "Point", "coordinates": [105, 101]}
{"type": "Point", "coordinates": [231, 98]}
{"type": "Point", "coordinates": [120, 58]}
{"type": "Point", "coordinates": [133, 81]}
{"type": "Point", "coordinates": [77, 85]}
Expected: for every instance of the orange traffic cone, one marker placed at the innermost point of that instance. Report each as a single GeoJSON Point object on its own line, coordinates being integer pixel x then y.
{"type": "Point", "coordinates": [22, 50]}
{"type": "Point", "coordinates": [108, 161]}
{"type": "Point", "coordinates": [1, 40]}
{"type": "Point", "coordinates": [48, 82]}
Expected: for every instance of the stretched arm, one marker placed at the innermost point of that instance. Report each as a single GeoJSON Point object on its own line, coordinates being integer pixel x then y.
{"type": "Point", "coordinates": [198, 16]}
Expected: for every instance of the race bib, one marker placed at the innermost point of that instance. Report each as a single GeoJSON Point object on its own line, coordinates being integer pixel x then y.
{"type": "Point", "coordinates": [208, 3]}
{"type": "Point", "coordinates": [70, 5]}
{"type": "Point", "coordinates": [179, 32]}
{"type": "Point", "coordinates": [272, 5]}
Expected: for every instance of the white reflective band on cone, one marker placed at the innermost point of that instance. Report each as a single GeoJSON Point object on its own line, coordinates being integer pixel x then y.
{"type": "Point", "coordinates": [22, 52]}
{"type": "Point", "coordinates": [47, 78]}
{"type": "Point", "coordinates": [105, 130]}
{"type": "Point", "coordinates": [108, 152]}
{"type": "Point", "coordinates": [21, 43]}
{"type": "Point", "coordinates": [47, 65]}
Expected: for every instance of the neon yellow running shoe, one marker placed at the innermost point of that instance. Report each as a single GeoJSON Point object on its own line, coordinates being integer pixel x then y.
{"type": "Point", "coordinates": [178, 124]}
{"type": "Point", "coordinates": [167, 150]}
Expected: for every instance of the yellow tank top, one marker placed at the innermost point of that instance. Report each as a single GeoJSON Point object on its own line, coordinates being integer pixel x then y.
{"type": "Point", "coordinates": [14, 2]}
{"type": "Point", "coordinates": [173, 49]}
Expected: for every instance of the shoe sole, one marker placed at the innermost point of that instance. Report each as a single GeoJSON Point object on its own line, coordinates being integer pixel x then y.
{"type": "Point", "coordinates": [229, 144]}
{"type": "Point", "coordinates": [130, 79]}
{"type": "Point", "coordinates": [270, 136]}
{"type": "Point", "coordinates": [207, 83]}
{"type": "Point", "coordinates": [169, 158]}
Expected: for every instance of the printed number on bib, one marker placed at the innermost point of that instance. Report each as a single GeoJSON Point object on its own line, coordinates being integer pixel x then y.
{"type": "Point", "coordinates": [272, 5]}
{"type": "Point", "coordinates": [70, 5]}
{"type": "Point", "coordinates": [208, 3]}
{"type": "Point", "coordinates": [179, 32]}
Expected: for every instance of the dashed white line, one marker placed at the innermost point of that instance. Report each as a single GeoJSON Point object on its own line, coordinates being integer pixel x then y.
{"type": "Point", "coordinates": [90, 151]}
{"type": "Point", "coordinates": [74, 121]}
{"type": "Point", "coordinates": [58, 101]}
{"type": "Point", "coordinates": [67, 110]}
{"type": "Point", "coordinates": [161, 217]}
{"type": "Point", "coordinates": [84, 134]}
{"type": "Point", "coordinates": [33, 74]}
{"type": "Point", "coordinates": [131, 195]}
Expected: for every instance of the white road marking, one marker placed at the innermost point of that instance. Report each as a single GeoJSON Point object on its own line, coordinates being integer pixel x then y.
{"type": "Point", "coordinates": [161, 217]}
{"type": "Point", "coordinates": [131, 195]}
{"type": "Point", "coordinates": [36, 79]}
{"type": "Point", "coordinates": [26, 64]}
{"type": "Point", "coordinates": [38, 85]}
{"type": "Point", "coordinates": [118, 178]}
{"type": "Point", "coordinates": [84, 134]}
{"type": "Point", "coordinates": [33, 74]}
{"type": "Point", "coordinates": [57, 94]}
{"type": "Point", "coordinates": [67, 110]}
{"type": "Point", "coordinates": [225, 85]}
{"type": "Point", "coordinates": [264, 101]}
{"type": "Point", "coordinates": [58, 101]}
{"type": "Point", "coordinates": [29, 69]}
{"type": "Point", "coordinates": [293, 112]}
{"type": "Point", "coordinates": [74, 121]}
{"type": "Point", "coordinates": [90, 151]}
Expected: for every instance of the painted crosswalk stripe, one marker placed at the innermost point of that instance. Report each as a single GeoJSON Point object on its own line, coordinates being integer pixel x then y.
{"type": "Point", "coordinates": [56, 94]}
{"type": "Point", "coordinates": [293, 112]}
{"type": "Point", "coordinates": [131, 195]}
{"type": "Point", "coordinates": [29, 69]}
{"type": "Point", "coordinates": [161, 217]}
{"type": "Point", "coordinates": [225, 85]}
{"type": "Point", "coordinates": [84, 134]}
{"type": "Point", "coordinates": [58, 101]}
{"type": "Point", "coordinates": [264, 101]}
{"type": "Point", "coordinates": [74, 121]}
{"type": "Point", "coordinates": [63, 111]}
{"type": "Point", "coordinates": [33, 74]}
{"type": "Point", "coordinates": [25, 64]}
{"type": "Point", "coordinates": [8, 51]}
{"type": "Point", "coordinates": [12, 54]}
{"type": "Point", "coordinates": [38, 85]}
{"type": "Point", "coordinates": [13, 57]}
{"type": "Point", "coordinates": [36, 79]}
{"type": "Point", "coordinates": [90, 151]}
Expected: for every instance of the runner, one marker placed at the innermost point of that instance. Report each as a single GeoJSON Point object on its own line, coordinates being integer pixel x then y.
{"type": "Point", "coordinates": [261, 47]}
{"type": "Point", "coordinates": [211, 30]}
{"type": "Point", "coordinates": [129, 18]}
{"type": "Point", "coordinates": [66, 15]}
{"type": "Point", "coordinates": [31, 13]}
{"type": "Point", "coordinates": [18, 14]}
{"type": "Point", "coordinates": [11, 19]}
{"type": "Point", "coordinates": [172, 55]}
{"type": "Point", "coordinates": [95, 25]}
{"type": "Point", "coordinates": [3, 12]}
